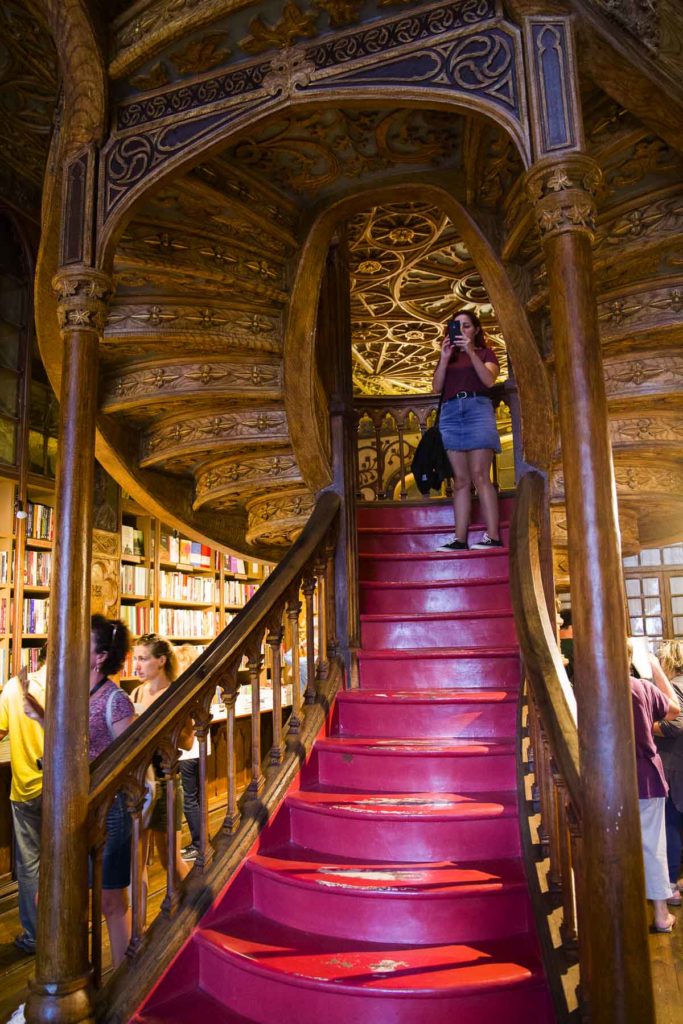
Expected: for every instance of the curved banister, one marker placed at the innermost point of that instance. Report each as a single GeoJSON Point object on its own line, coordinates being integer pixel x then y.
{"type": "Point", "coordinates": [147, 732]}
{"type": "Point", "coordinates": [551, 690]}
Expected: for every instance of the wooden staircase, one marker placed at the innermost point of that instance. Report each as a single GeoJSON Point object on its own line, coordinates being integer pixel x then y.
{"type": "Point", "coordinates": [390, 885]}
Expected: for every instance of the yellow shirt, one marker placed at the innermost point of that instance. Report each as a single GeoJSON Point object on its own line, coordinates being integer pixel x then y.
{"type": "Point", "coordinates": [25, 739]}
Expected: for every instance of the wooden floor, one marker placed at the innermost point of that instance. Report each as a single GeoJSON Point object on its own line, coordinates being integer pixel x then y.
{"type": "Point", "coordinates": [666, 955]}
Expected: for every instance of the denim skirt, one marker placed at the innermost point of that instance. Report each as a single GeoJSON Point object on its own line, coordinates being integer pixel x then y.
{"type": "Point", "coordinates": [467, 424]}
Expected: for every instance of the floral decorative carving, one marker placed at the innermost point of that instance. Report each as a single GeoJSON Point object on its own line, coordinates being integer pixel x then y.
{"type": "Point", "coordinates": [155, 78]}
{"type": "Point", "coordinates": [255, 331]}
{"type": "Point", "coordinates": [82, 296]}
{"type": "Point", "coordinates": [294, 24]}
{"type": "Point", "coordinates": [167, 440]}
{"type": "Point", "coordinates": [201, 54]}
{"type": "Point", "coordinates": [649, 429]}
{"type": "Point", "coordinates": [288, 71]}
{"type": "Point", "coordinates": [227, 478]}
{"type": "Point", "coordinates": [278, 516]}
{"type": "Point", "coordinates": [659, 219]}
{"type": "Point", "coordinates": [143, 384]}
{"type": "Point", "coordinates": [640, 310]}
{"type": "Point", "coordinates": [644, 374]}
{"type": "Point", "coordinates": [562, 192]}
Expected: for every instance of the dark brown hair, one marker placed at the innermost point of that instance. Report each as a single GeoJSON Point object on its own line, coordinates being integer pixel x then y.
{"type": "Point", "coordinates": [111, 637]}
{"type": "Point", "coordinates": [479, 339]}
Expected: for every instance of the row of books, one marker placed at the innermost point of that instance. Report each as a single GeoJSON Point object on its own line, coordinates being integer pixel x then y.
{"type": "Point", "coordinates": [37, 568]}
{"type": "Point", "coordinates": [188, 622]}
{"type": "Point", "coordinates": [178, 586]}
{"type": "Point", "coordinates": [132, 541]}
{"type": "Point", "coordinates": [4, 664]}
{"type": "Point", "coordinates": [135, 579]}
{"type": "Point", "coordinates": [4, 622]}
{"type": "Point", "coordinates": [40, 521]}
{"type": "Point", "coordinates": [29, 658]}
{"type": "Point", "coordinates": [240, 567]}
{"type": "Point", "coordinates": [5, 562]}
{"type": "Point", "coordinates": [181, 551]}
{"type": "Point", "coordinates": [236, 592]}
{"type": "Point", "coordinates": [34, 616]}
{"type": "Point", "coordinates": [136, 617]}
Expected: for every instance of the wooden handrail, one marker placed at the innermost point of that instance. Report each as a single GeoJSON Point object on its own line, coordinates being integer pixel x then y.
{"type": "Point", "coordinates": [145, 734]}
{"type": "Point", "coordinates": [545, 673]}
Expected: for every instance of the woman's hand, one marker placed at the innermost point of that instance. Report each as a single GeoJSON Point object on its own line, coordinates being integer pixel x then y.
{"type": "Point", "coordinates": [446, 350]}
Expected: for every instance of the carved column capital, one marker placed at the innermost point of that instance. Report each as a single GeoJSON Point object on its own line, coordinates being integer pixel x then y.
{"type": "Point", "coordinates": [562, 191]}
{"type": "Point", "coordinates": [83, 298]}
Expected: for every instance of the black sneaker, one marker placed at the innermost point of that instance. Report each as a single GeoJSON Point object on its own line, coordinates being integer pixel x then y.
{"type": "Point", "coordinates": [189, 852]}
{"type": "Point", "coordinates": [487, 542]}
{"type": "Point", "coordinates": [455, 545]}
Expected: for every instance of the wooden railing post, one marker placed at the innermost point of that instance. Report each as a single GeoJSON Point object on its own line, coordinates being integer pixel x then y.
{"type": "Point", "coordinates": [293, 610]}
{"type": "Point", "coordinates": [321, 577]}
{"type": "Point", "coordinates": [202, 724]}
{"type": "Point", "coordinates": [346, 558]}
{"type": "Point", "coordinates": [169, 764]}
{"type": "Point", "coordinates": [331, 614]}
{"type": "Point", "coordinates": [255, 661]}
{"type": "Point", "coordinates": [62, 987]}
{"type": "Point", "coordinates": [308, 589]}
{"type": "Point", "coordinates": [134, 806]}
{"type": "Point", "coordinates": [274, 641]}
{"type": "Point", "coordinates": [232, 814]}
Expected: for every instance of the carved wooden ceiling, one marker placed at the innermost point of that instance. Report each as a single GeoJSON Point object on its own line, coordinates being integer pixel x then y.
{"type": "Point", "coordinates": [28, 97]}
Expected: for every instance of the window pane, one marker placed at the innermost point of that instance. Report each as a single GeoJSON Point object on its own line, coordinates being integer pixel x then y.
{"type": "Point", "coordinates": [631, 562]}
{"type": "Point", "coordinates": [637, 627]}
{"type": "Point", "coordinates": [673, 555]}
{"type": "Point", "coordinates": [653, 627]}
{"type": "Point", "coordinates": [51, 468]}
{"type": "Point", "coordinates": [635, 606]}
{"type": "Point", "coordinates": [677, 605]}
{"type": "Point", "coordinates": [8, 392]}
{"type": "Point", "coordinates": [651, 586]}
{"type": "Point", "coordinates": [676, 584]}
{"type": "Point", "coordinates": [678, 625]}
{"type": "Point", "coordinates": [8, 433]}
{"type": "Point", "coordinates": [651, 556]}
{"type": "Point", "coordinates": [633, 588]}
{"type": "Point", "coordinates": [653, 606]}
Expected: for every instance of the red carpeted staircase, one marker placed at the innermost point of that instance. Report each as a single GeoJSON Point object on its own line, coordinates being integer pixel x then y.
{"type": "Point", "coordinates": [390, 887]}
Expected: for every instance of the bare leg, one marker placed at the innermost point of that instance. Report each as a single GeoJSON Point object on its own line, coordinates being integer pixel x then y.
{"type": "Point", "coordinates": [663, 919]}
{"type": "Point", "coordinates": [117, 915]}
{"type": "Point", "coordinates": [480, 468]}
{"type": "Point", "coordinates": [462, 492]}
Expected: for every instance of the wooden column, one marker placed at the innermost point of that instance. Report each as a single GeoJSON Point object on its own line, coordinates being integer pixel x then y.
{"type": "Point", "coordinates": [62, 987]}
{"type": "Point", "coordinates": [619, 983]}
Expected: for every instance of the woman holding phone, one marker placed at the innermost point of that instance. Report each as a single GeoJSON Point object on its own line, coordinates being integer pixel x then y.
{"type": "Point", "coordinates": [466, 370]}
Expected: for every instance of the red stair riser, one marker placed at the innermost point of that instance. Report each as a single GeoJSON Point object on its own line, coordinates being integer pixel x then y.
{"type": "Point", "coordinates": [387, 917]}
{"type": "Point", "coordinates": [427, 721]}
{"type": "Point", "coordinates": [427, 541]}
{"type": "Point", "coordinates": [428, 773]}
{"type": "Point", "coordinates": [266, 997]}
{"type": "Point", "coordinates": [404, 839]}
{"type": "Point", "coordinates": [443, 566]}
{"type": "Point", "coordinates": [421, 673]}
{"type": "Point", "coordinates": [436, 513]}
{"type": "Point", "coordinates": [479, 631]}
{"type": "Point", "coordinates": [437, 597]}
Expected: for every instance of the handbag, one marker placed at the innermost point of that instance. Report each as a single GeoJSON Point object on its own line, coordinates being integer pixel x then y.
{"type": "Point", "coordinates": [430, 465]}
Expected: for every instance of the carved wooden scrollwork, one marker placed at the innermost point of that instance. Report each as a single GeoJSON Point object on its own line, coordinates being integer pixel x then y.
{"type": "Point", "coordinates": [222, 482]}
{"type": "Point", "coordinates": [278, 518]}
{"type": "Point", "coordinates": [562, 191]}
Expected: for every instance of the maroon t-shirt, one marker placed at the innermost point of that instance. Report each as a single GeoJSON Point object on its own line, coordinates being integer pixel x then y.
{"type": "Point", "coordinates": [461, 375]}
{"type": "Point", "coordinates": [649, 706]}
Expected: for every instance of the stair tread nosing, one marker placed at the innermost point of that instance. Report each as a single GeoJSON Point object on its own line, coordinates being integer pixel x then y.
{"type": "Point", "coordinates": [424, 529]}
{"type": "Point", "coordinates": [305, 868]}
{"type": "Point", "coordinates": [355, 804]}
{"type": "Point", "coordinates": [482, 695]}
{"type": "Point", "coordinates": [505, 651]}
{"type": "Point", "coordinates": [265, 947]}
{"type": "Point", "coordinates": [431, 584]}
{"type": "Point", "coordinates": [435, 746]}
{"type": "Point", "coordinates": [193, 1007]}
{"type": "Point", "coordinates": [459, 616]}
{"type": "Point", "coordinates": [431, 556]}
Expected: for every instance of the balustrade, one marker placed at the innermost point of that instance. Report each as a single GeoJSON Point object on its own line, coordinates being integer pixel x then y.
{"type": "Point", "coordinates": [389, 429]}
{"type": "Point", "coordinates": [259, 628]}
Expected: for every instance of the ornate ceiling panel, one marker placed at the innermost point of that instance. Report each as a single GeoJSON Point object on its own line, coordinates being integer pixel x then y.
{"type": "Point", "coordinates": [410, 271]}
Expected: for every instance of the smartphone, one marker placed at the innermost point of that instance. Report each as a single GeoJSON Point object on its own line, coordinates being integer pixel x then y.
{"type": "Point", "coordinates": [454, 331]}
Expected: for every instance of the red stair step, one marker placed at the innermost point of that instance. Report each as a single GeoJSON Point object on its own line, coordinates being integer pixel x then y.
{"type": "Point", "coordinates": [441, 669]}
{"type": "Point", "coordinates": [376, 901]}
{"type": "Point", "coordinates": [479, 714]}
{"type": "Point", "coordinates": [416, 766]}
{"type": "Point", "coordinates": [276, 973]}
{"type": "Point", "coordinates": [428, 596]}
{"type": "Point", "coordinates": [417, 538]}
{"type": "Point", "coordinates": [488, 629]}
{"type": "Point", "coordinates": [194, 1007]}
{"type": "Point", "coordinates": [405, 827]}
{"type": "Point", "coordinates": [434, 565]}
{"type": "Point", "coordinates": [436, 512]}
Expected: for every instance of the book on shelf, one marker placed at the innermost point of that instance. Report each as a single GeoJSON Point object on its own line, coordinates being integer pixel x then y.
{"type": "Point", "coordinates": [136, 617]}
{"type": "Point", "coordinates": [37, 568]}
{"type": "Point", "coordinates": [235, 565]}
{"type": "Point", "coordinates": [40, 522]}
{"type": "Point", "coordinates": [4, 622]}
{"type": "Point", "coordinates": [30, 658]}
{"type": "Point", "coordinates": [35, 613]}
{"type": "Point", "coordinates": [186, 622]}
{"type": "Point", "coordinates": [238, 593]}
{"type": "Point", "coordinates": [5, 563]}
{"type": "Point", "coordinates": [132, 541]}
{"type": "Point", "coordinates": [4, 663]}
{"type": "Point", "coordinates": [134, 580]}
{"type": "Point", "coordinates": [179, 586]}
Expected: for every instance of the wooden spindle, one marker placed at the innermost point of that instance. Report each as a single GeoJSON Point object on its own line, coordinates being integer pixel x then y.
{"type": "Point", "coordinates": [568, 927]}
{"type": "Point", "coordinates": [320, 573]}
{"type": "Point", "coordinates": [555, 865]}
{"type": "Point", "coordinates": [274, 641]}
{"type": "Point", "coordinates": [379, 486]}
{"type": "Point", "coordinates": [232, 814]}
{"type": "Point", "coordinates": [205, 855]}
{"type": "Point", "coordinates": [258, 779]}
{"type": "Point", "coordinates": [171, 900]}
{"type": "Point", "coordinates": [308, 588]}
{"type": "Point", "coordinates": [402, 459]}
{"type": "Point", "coordinates": [135, 805]}
{"type": "Point", "coordinates": [332, 639]}
{"type": "Point", "coordinates": [96, 955]}
{"type": "Point", "coordinates": [293, 611]}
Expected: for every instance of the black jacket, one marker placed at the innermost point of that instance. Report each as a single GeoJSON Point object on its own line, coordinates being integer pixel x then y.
{"type": "Point", "coordinates": [430, 462]}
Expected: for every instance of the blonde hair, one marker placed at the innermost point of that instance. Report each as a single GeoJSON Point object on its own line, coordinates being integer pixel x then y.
{"type": "Point", "coordinates": [671, 657]}
{"type": "Point", "coordinates": [185, 654]}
